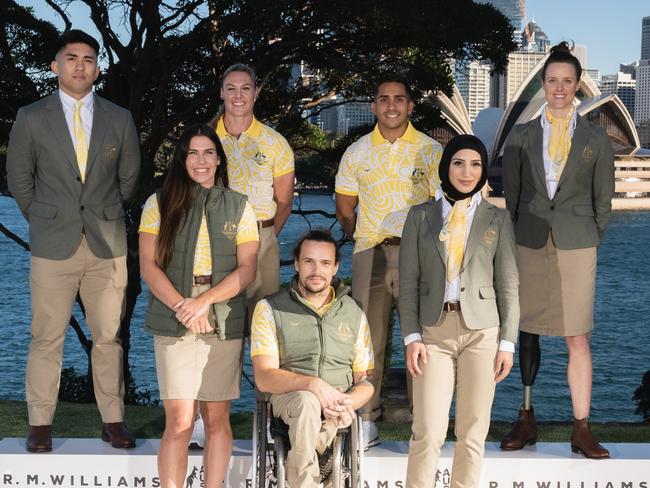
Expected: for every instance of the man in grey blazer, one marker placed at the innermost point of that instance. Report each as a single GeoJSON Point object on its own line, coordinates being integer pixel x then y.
{"type": "Point", "coordinates": [72, 161]}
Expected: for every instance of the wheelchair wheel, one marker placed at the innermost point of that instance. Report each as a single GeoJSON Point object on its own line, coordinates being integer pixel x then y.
{"type": "Point", "coordinates": [261, 451]}
{"type": "Point", "coordinates": [348, 457]}
{"type": "Point", "coordinates": [280, 461]}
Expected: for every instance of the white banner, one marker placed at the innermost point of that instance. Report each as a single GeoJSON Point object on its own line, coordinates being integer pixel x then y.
{"type": "Point", "coordinates": [91, 463]}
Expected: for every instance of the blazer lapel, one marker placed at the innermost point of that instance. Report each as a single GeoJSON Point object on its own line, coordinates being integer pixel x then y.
{"type": "Point", "coordinates": [480, 223]}
{"type": "Point", "coordinates": [101, 120]}
{"type": "Point", "coordinates": [536, 153]}
{"type": "Point", "coordinates": [59, 128]}
{"type": "Point", "coordinates": [434, 219]}
{"type": "Point", "coordinates": [578, 142]}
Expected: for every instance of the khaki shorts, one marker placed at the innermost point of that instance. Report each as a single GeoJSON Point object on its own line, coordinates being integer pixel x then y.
{"type": "Point", "coordinates": [198, 366]}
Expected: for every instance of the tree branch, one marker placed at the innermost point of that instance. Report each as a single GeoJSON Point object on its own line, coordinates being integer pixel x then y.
{"type": "Point", "coordinates": [62, 14]}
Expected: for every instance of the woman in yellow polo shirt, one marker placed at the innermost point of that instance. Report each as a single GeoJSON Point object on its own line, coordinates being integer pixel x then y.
{"type": "Point", "coordinates": [198, 252]}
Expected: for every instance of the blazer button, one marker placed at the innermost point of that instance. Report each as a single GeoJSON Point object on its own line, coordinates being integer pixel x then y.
{"type": "Point", "coordinates": [552, 207]}
{"type": "Point", "coordinates": [82, 207]}
{"type": "Point", "coordinates": [78, 178]}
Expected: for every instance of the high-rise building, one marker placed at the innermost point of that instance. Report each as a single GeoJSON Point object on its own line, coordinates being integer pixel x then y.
{"type": "Point", "coordinates": [580, 52]}
{"type": "Point", "coordinates": [520, 63]}
{"type": "Point", "coordinates": [533, 38]}
{"type": "Point", "coordinates": [594, 74]}
{"type": "Point", "coordinates": [515, 10]}
{"type": "Point", "coordinates": [623, 85]}
{"type": "Point", "coordinates": [642, 99]}
{"type": "Point", "coordinates": [473, 82]}
{"type": "Point", "coordinates": [645, 38]}
{"type": "Point", "coordinates": [630, 69]}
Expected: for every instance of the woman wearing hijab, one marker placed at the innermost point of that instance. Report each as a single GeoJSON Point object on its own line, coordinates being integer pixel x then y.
{"type": "Point", "coordinates": [459, 311]}
{"type": "Point", "coordinates": [558, 178]}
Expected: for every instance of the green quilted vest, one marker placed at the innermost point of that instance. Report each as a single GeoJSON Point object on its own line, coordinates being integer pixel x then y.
{"type": "Point", "coordinates": [313, 345]}
{"type": "Point", "coordinates": [223, 210]}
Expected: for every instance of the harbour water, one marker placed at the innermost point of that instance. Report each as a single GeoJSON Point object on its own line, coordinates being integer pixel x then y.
{"type": "Point", "coordinates": [620, 340]}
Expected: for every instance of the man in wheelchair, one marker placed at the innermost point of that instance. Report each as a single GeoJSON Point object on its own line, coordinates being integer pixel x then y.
{"type": "Point", "coordinates": [311, 349]}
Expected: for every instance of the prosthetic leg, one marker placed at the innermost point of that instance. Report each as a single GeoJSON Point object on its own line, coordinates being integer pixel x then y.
{"type": "Point", "coordinates": [524, 431]}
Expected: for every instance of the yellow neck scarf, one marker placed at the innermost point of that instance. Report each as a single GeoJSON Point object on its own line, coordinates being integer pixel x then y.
{"type": "Point", "coordinates": [559, 142]}
{"type": "Point", "coordinates": [453, 234]}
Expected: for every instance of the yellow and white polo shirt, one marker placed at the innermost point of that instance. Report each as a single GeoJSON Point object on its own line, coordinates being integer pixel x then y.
{"type": "Point", "coordinates": [264, 340]}
{"type": "Point", "coordinates": [246, 232]}
{"type": "Point", "coordinates": [388, 179]}
{"type": "Point", "coordinates": [254, 159]}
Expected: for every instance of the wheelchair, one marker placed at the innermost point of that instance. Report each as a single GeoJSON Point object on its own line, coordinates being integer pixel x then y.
{"type": "Point", "coordinates": [271, 444]}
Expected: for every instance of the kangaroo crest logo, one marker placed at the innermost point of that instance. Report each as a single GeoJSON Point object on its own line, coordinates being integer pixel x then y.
{"type": "Point", "coordinates": [195, 478]}
{"type": "Point", "coordinates": [417, 176]}
{"type": "Point", "coordinates": [230, 229]}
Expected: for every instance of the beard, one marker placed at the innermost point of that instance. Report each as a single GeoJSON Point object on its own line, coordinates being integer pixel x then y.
{"type": "Point", "coordinates": [314, 288]}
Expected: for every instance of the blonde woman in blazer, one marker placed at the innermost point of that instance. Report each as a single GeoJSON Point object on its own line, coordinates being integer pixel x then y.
{"type": "Point", "coordinates": [558, 176]}
{"type": "Point", "coordinates": [459, 313]}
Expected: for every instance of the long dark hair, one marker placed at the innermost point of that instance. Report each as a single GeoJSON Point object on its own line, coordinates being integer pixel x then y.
{"type": "Point", "coordinates": [178, 191]}
{"type": "Point", "coordinates": [561, 53]}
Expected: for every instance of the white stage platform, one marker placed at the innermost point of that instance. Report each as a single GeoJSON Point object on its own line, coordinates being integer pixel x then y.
{"type": "Point", "coordinates": [81, 463]}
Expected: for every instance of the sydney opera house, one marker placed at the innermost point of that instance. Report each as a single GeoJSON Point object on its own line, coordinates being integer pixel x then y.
{"type": "Point", "coordinates": [607, 111]}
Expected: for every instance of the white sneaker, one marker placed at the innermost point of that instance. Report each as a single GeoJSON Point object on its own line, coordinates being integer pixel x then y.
{"type": "Point", "coordinates": [197, 441]}
{"type": "Point", "coordinates": [370, 434]}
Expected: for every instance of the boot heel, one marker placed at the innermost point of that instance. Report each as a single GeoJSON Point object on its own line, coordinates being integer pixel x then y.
{"type": "Point", "coordinates": [532, 442]}
{"type": "Point", "coordinates": [576, 449]}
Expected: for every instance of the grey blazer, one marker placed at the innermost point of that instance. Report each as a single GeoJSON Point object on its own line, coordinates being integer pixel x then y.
{"type": "Point", "coordinates": [489, 280]}
{"type": "Point", "coordinates": [578, 213]}
{"type": "Point", "coordinates": [43, 176]}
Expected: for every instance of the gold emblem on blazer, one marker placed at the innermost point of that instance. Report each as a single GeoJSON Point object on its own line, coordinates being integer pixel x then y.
{"type": "Point", "coordinates": [230, 229]}
{"type": "Point", "coordinates": [587, 153]}
{"type": "Point", "coordinates": [489, 236]}
{"type": "Point", "coordinates": [110, 152]}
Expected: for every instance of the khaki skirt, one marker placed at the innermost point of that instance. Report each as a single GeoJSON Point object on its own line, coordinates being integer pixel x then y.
{"type": "Point", "coordinates": [556, 290]}
{"type": "Point", "coordinates": [198, 366]}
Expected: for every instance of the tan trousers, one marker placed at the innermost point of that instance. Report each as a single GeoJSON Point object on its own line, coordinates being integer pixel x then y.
{"type": "Point", "coordinates": [464, 358]}
{"type": "Point", "coordinates": [375, 285]}
{"type": "Point", "coordinates": [308, 434]}
{"type": "Point", "coordinates": [267, 279]}
{"type": "Point", "coordinates": [54, 285]}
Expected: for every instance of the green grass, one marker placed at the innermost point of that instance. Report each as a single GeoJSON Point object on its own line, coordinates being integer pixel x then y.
{"type": "Point", "coordinates": [82, 420]}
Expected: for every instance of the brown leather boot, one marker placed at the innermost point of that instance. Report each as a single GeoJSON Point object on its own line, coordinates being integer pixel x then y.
{"type": "Point", "coordinates": [39, 438]}
{"type": "Point", "coordinates": [118, 435]}
{"type": "Point", "coordinates": [584, 442]}
{"type": "Point", "coordinates": [524, 432]}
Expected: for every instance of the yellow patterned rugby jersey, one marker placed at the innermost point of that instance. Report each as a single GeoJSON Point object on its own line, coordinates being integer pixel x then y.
{"type": "Point", "coordinates": [387, 179]}
{"type": "Point", "coordinates": [264, 340]}
{"type": "Point", "coordinates": [246, 232]}
{"type": "Point", "coordinates": [254, 159]}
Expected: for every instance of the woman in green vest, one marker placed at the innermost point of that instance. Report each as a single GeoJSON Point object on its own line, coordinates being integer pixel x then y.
{"type": "Point", "coordinates": [198, 252]}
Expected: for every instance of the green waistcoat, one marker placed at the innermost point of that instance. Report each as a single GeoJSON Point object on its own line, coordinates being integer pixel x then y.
{"type": "Point", "coordinates": [313, 345]}
{"type": "Point", "coordinates": [223, 210]}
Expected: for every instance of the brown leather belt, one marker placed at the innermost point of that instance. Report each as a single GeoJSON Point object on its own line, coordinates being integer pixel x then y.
{"type": "Point", "coordinates": [263, 224]}
{"type": "Point", "coordinates": [451, 307]}
{"type": "Point", "coordinates": [203, 280]}
{"type": "Point", "coordinates": [390, 241]}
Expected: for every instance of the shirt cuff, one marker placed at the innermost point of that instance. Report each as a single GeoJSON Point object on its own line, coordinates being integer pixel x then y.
{"type": "Point", "coordinates": [506, 346]}
{"type": "Point", "coordinates": [415, 336]}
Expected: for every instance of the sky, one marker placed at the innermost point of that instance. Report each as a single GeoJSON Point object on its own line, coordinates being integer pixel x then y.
{"type": "Point", "coordinates": [611, 29]}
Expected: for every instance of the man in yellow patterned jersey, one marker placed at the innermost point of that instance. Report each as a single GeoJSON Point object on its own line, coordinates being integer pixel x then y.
{"type": "Point", "coordinates": [311, 348]}
{"type": "Point", "coordinates": [261, 166]}
{"type": "Point", "coordinates": [382, 175]}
